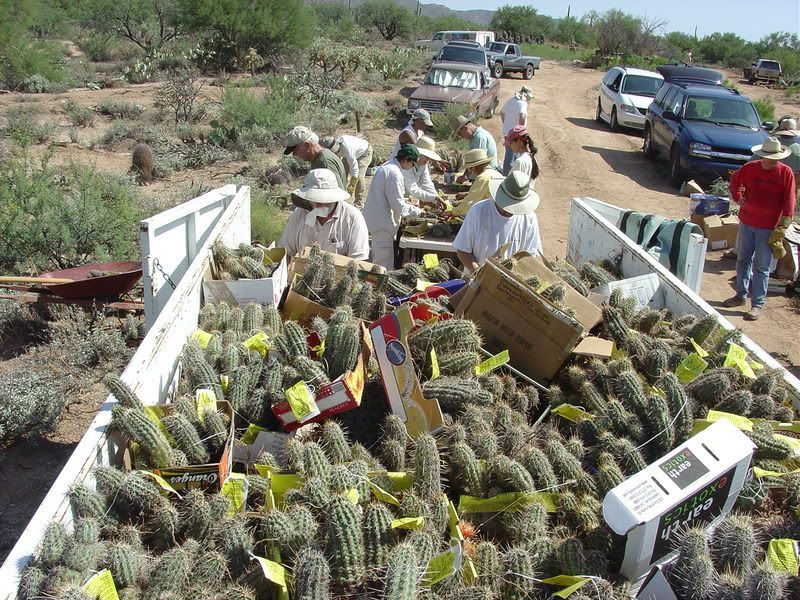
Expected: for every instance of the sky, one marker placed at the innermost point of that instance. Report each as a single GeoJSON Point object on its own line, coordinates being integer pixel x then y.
{"type": "Point", "coordinates": [747, 18]}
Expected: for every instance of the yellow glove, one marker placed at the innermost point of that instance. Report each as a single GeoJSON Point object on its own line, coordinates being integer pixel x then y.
{"type": "Point", "coordinates": [775, 240]}
{"type": "Point", "coordinates": [351, 186]}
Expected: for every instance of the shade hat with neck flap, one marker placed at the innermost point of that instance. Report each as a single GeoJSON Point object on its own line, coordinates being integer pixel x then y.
{"type": "Point", "coordinates": [786, 128]}
{"type": "Point", "coordinates": [319, 187]}
{"type": "Point", "coordinates": [514, 194]}
{"type": "Point", "coordinates": [772, 149]}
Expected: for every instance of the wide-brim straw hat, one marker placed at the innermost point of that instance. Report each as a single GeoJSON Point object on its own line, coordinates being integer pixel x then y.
{"type": "Point", "coordinates": [321, 186]}
{"type": "Point", "coordinates": [772, 149]}
{"type": "Point", "coordinates": [427, 147]}
{"type": "Point", "coordinates": [786, 128]}
{"type": "Point", "coordinates": [475, 158]}
{"type": "Point", "coordinates": [515, 194]}
{"type": "Point", "coordinates": [460, 122]}
{"type": "Point", "coordinates": [524, 91]}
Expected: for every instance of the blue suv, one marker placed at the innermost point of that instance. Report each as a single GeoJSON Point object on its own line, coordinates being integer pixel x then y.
{"type": "Point", "coordinates": [705, 130]}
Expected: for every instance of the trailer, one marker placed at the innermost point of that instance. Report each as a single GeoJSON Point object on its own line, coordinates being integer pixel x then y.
{"type": "Point", "coordinates": [154, 370]}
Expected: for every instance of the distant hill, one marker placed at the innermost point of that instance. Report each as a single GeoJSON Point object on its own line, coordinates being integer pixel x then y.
{"type": "Point", "coordinates": [481, 17]}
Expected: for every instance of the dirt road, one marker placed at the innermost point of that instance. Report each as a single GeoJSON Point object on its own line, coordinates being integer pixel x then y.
{"type": "Point", "coordinates": [579, 157]}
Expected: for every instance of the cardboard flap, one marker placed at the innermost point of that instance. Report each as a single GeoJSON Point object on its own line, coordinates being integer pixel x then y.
{"type": "Point", "coordinates": [712, 221]}
{"type": "Point", "coordinates": [594, 346]}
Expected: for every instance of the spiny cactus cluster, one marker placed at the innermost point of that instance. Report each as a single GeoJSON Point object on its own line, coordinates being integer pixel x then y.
{"type": "Point", "coordinates": [403, 281]}
{"type": "Point", "coordinates": [243, 262]}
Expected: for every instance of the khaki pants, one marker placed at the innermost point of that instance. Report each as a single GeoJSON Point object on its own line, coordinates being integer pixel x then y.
{"type": "Point", "coordinates": [383, 251]}
{"type": "Point", "coordinates": [363, 165]}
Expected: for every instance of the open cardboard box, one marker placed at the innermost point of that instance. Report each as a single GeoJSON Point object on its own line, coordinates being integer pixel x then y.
{"type": "Point", "coordinates": [694, 484]}
{"type": "Point", "coordinates": [208, 477]}
{"type": "Point", "coordinates": [299, 263]}
{"type": "Point", "coordinates": [512, 315]}
{"type": "Point", "coordinates": [298, 308]}
{"type": "Point", "coordinates": [720, 230]}
{"type": "Point", "coordinates": [267, 291]}
{"type": "Point", "coordinates": [344, 393]}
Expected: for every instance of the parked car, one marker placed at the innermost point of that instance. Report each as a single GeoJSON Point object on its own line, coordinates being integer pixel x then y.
{"type": "Point", "coordinates": [457, 52]}
{"type": "Point", "coordinates": [704, 129]}
{"type": "Point", "coordinates": [462, 83]}
{"type": "Point", "coordinates": [507, 58]}
{"type": "Point", "coordinates": [625, 95]}
{"type": "Point", "coordinates": [763, 69]}
{"type": "Point", "coordinates": [440, 38]}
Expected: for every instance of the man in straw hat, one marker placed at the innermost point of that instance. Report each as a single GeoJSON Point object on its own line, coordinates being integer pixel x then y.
{"type": "Point", "coordinates": [323, 216]}
{"type": "Point", "coordinates": [386, 204]}
{"type": "Point", "coordinates": [765, 192]}
{"type": "Point", "coordinates": [786, 131]}
{"type": "Point", "coordinates": [477, 136]}
{"type": "Point", "coordinates": [477, 166]}
{"type": "Point", "coordinates": [514, 113]}
{"type": "Point", "coordinates": [356, 155]}
{"type": "Point", "coordinates": [508, 217]}
{"type": "Point", "coordinates": [415, 128]}
{"type": "Point", "coordinates": [304, 144]}
{"type": "Point", "coordinates": [419, 183]}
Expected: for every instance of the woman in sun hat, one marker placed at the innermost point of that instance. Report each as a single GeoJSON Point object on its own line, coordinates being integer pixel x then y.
{"type": "Point", "coordinates": [477, 166]}
{"type": "Point", "coordinates": [508, 217]}
{"type": "Point", "coordinates": [521, 144]}
{"type": "Point", "coordinates": [419, 183]}
{"type": "Point", "coordinates": [324, 216]}
{"type": "Point", "coordinates": [765, 192]}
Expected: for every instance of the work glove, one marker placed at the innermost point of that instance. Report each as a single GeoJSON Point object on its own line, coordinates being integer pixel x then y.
{"type": "Point", "coordinates": [775, 240]}
{"type": "Point", "coordinates": [351, 186]}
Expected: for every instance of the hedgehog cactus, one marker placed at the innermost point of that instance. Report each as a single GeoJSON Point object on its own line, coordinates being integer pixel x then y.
{"type": "Point", "coordinates": [187, 439]}
{"type": "Point", "coordinates": [763, 583]}
{"type": "Point", "coordinates": [315, 463]}
{"type": "Point", "coordinates": [344, 546]}
{"type": "Point", "coordinates": [86, 502]}
{"type": "Point", "coordinates": [171, 572]}
{"type": "Point", "coordinates": [127, 564]}
{"type": "Point", "coordinates": [693, 575]}
{"type": "Point", "coordinates": [121, 391]}
{"type": "Point", "coordinates": [571, 557]}
{"type": "Point", "coordinates": [402, 576]}
{"type": "Point", "coordinates": [454, 393]}
{"type": "Point", "coordinates": [379, 537]}
{"type": "Point", "coordinates": [734, 544]}
{"type": "Point", "coordinates": [312, 580]}
{"type": "Point", "coordinates": [427, 473]}
{"type": "Point", "coordinates": [518, 581]}
{"type": "Point", "coordinates": [199, 373]}
{"type": "Point", "coordinates": [335, 444]}
{"type": "Point", "coordinates": [468, 473]}
{"type": "Point", "coordinates": [342, 346]}
{"type": "Point", "coordinates": [142, 430]}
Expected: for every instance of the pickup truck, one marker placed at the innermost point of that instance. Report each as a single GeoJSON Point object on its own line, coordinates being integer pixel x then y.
{"type": "Point", "coordinates": [763, 69]}
{"type": "Point", "coordinates": [507, 58]}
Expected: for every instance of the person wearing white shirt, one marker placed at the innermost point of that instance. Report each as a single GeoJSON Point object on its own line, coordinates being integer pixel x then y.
{"type": "Point", "coordinates": [356, 154]}
{"type": "Point", "coordinates": [513, 113]}
{"type": "Point", "coordinates": [417, 126]}
{"type": "Point", "coordinates": [521, 144]}
{"type": "Point", "coordinates": [419, 183]}
{"type": "Point", "coordinates": [386, 204]}
{"type": "Point", "coordinates": [507, 218]}
{"type": "Point", "coordinates": [323, 216]}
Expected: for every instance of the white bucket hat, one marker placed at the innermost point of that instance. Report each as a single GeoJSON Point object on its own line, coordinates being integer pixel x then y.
{"type": "Point", "coordinates": [514, 194]}
{"type": "Point", "coordinates": [786, 128]}
{"type": "Point", "coordinates": [427, 147]}
{"type": "Point", "coordinates": [320, 186]}
{"type": "Point", "coordinates": [772, 149]}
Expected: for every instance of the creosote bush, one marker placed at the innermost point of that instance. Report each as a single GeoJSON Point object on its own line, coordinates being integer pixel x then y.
{"type": "Point", "coordinates": [30, 404]}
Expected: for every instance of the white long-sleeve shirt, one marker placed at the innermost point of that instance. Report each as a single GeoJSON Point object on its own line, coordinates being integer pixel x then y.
{"type": "Point", "coordinates": [419, 184]}
{"type": "Point", "coordinates": [386, 204]}
{"type": "Point", "coordinates": [344, 233]}
{"type": "Point", "coordinates": [350, 150]}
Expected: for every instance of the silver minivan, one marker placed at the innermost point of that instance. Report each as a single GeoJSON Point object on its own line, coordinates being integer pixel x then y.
{"type": "Point", "coordinates": [440, 38]}
{"type": "Point", "coordinates": [625, 95]}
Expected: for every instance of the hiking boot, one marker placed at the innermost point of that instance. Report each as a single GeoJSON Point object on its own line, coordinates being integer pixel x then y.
{"type": "Point", "coordinates": [754, 313]}
{"type": "Point", "coordinates": [734, 302]}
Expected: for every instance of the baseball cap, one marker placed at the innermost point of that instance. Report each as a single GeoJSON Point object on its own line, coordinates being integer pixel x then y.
{"type": "Point", "coordinates": [299, 135]}
{"type": "Point", "coordinates": [408, 151]}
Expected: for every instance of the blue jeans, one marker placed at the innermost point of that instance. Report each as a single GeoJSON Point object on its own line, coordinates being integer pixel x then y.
{"type": "Point", "coordinates": [508, 160]}
{"type": "Point", "coordinates": [752, 263]}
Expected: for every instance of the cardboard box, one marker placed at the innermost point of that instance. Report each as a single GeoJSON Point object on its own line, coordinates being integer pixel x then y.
{"type": "Point", "coordinates": [720, 230]}
{"type": "Point", "coordinates": [695, 484]}
{"type": "Point", "coordinates": [299, 308]}
{"type": "Point", "coordinates": [645, 288]}
{"type": "Point", "coordinates": [208, 477]}
{"type": "Point", "coordinates": [403, 390]}
{"type": "Point", "coordinates": [299, 263]}
{"type": "Point", "coordinates": [656, 587]}
{"type": "Point", "coordinates": [511, 315]}
{"type": "Point", "coordinates": [267, 291]}
{"type": "Point", "coordinates": [338, 396]}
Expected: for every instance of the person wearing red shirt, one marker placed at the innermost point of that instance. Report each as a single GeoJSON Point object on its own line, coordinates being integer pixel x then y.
{"type": "Point", "coordinates": [764, 189]}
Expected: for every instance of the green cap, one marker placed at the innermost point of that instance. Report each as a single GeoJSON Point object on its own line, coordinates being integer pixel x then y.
{"type": "Point", "coordinates": [408, 151]}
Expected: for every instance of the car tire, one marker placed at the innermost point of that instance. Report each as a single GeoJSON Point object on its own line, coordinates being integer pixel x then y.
{"type": "Point", "coordinates": [676, 174]}
{"type": "Point", "coordinates": [497, 70]}
{"type": "Point", "coordinates": [598, 112]}
{"type": "Point", "coordinates": [647, 148]}
{"type": "Point", "coordinates": [528, 72]}
{"type": "Point", "coordinates": [614, 122]}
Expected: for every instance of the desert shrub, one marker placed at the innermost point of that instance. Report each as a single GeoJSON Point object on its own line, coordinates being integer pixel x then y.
{"type": "Point", "coordinates": [267, 219]}
{"type": "Point", "coordinates": [444, 122]}
{"type": "Point", "coordinates": [270, 114]}
{"type": "Point", "coordinates": [21, 56]}
{"type": "Point", "coordinates": [197, 156]}
{"type": "Point", "coordinates": [59, 219]}
{"type": "Point", "coordinates": [98, 47]}
{"type": "Point", "coordinates": [31, 403]}
{"type": "Point", "coordinates": [178, 96]}
{"type": "Point", "coordinates": [390, 19]}
{"type": "Point", "coordinates": [119, 131]}
{"type": "Point", "coordinates": [720, 187]}
{"type": "Point", "coordinates": [119, 109]}
{"type": "Point", "coordinates": [765, 108]}
{"type": "Point", "coordinates": [25, 128]}
{"type": "Point", "coordinates": [396, 64]}
{"type": "Point", "coordinates": [80, 116]}
{"type": "Point", "coordinates": [85, 342]}
{"type": "Point", "coordinates": [141, 70]}
{"type": "Point", "coordinates": [35, 84]}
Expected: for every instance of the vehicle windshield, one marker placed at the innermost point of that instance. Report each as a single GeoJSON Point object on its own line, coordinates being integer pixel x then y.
{"type": "Point", "coordinates": [463, 54]}
{"type": "Point", "coordinates": [722, 111]}
{"type": "Point", "coordinates": [495, 47]}
{"type": "Point", "coordinates": [641, 85]}
{"type": "Point", "coordinates": [452, 78]}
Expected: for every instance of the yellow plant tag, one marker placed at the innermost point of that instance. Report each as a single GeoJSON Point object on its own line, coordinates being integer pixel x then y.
{"type": "Point", "coordinates": [423, 285]}
{"type": "Point", "coordinates": [452, 519]}
{"type": "Point", "coordinates": [259, 342]}
{"type": "Point", "coordinates": [735, 354]}
{"type": "Point", "coordinates": [235, 489]}
{"type": "Point", "coordinates": [443, 565]}
{"type": "Point", "coordinates": [274, 572]}
{"type": "Point", "coordinates": [280, 483]}
{"type": "Point", "coordinates": [204, 399]}
{"type": "Point", "coordinates": [435, 372]}
{"type": "Point", "coordinates": [793, 442]}
{"type": "Point", "coordinates": [224, 382]}
{"type": "Point", "coordinates": [542, 287]}
{"type": "Point", "coordinates": [409, 523]}
{"type": "Point", "coordinates": [739, 421]}
{"type": "Point", "coordinates": [572, 413]}
{"type": "Point", "coordinates": [100, 586]}
{"type": "Point", "coordinates": [251, 433]}
{"type": "Point", "coordinates": [782, 554]}
{"type": "Point", "coordinates": [400, 480]}
{"type": "Point", "coordinates": [651, 389]}
{"type": "Point", "coordinates": [690, 367]}
{"type": "Point", "coordinates": [756, 366]}
{"type": "Point", "coordinates": [698, 348]}
{"type": "Point", "coordinates": [301, 401]}
{"type": "Point", "coordinates": [617, 354]}
{"type": "Point", "coordinates": [759, 472]}
{"type": "Point", "coordinates": [319, 350]}
{"type": "Point", "coordinates": [572, 582]}
{"type": "Point", "coordinates": [430, 261]}
{"type": "Point", "coordinates": [508, 502]}
{"type": "Point", "coordinates": [162, 483]}
{"type": "Point", "coordinates": [156, 415]}
{"type": "Point", "coordinates": [202, 338]}
{"type": "Point", "coordinates": [352, 495]}
{"type": "Point", "coordinates": [382, 494]}
{"type": "Point", "coordinates": [490, 364]}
